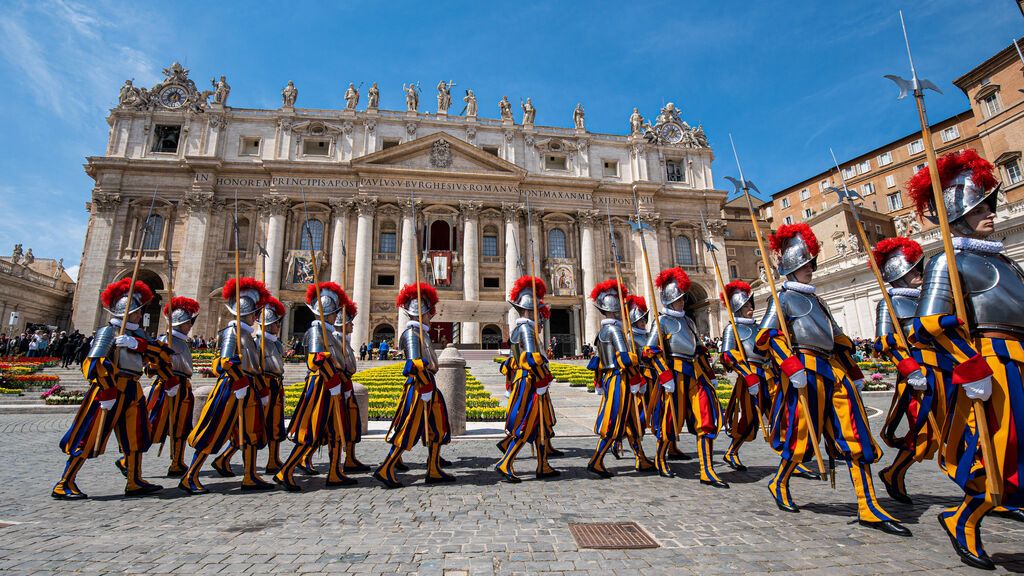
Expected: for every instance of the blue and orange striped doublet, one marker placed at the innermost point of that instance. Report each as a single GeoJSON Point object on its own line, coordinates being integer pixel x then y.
{"type": "Point", "coordinates": [522, 416]}
{"type": "Point", "coordinates": [274, 411]}
{"type": "Point", "coordinates": [407, 427]}
{"type": "Point", "coordinates": [218, 421]}
{"type": "Point", "coordinates": [616, 400]}
{"type": "Point", "coordinates": [317, 414]}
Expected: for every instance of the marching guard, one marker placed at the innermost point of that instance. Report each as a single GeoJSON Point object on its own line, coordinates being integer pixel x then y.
{"type": "Point", "coordinates": [421, 413]}
{"type": "Point", "coordinates": [171, 401]}
{"type": "Point", "coordinates": [755, 381]}
{"type": "Point", "coordinates": [819, 359]}
{"type": "Point", "coordinates": [526, 419]}
{"type": "Point", "coordinates": [987, 348]}
{"type": "Point", "coordinates": [272, 355]}
{"type": "Point", "coordinates": [646, 394]}
{"type": "Point", "coordinates": [115, 402]}
{"type": "Point", "coordinates": [234, 411]}
{"type": "Point", "coordinates": [350, 405]}
{"type": "Point", "coordinates": [319, 416]}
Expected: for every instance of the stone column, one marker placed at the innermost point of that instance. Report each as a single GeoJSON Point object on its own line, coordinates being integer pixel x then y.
{"type": "Point", "coordinates": [408, 255]}
{"type": "Point", "coordinates": [276, 208]}
{"type": "Point", "coordinates": [576, 329]}
{"type": "Point", "coordinates": [588, 262]}
{"type": "Point", "coordinates": [717, 230]}
{"type": "Point", "coordinates": [340, 209]}
{"type": "Point", "coordinates": [471, 265]}
{"type": "Point", "coordinates": [366, 206]}
{"type": "Point", "coordinates": [198, 205]}
{"type": "Point", "coordinates": [513, 269]}
{"type": "Point", "coordinates": [95, 254]}
{"type": "Point", "coordinates": [451, 381]}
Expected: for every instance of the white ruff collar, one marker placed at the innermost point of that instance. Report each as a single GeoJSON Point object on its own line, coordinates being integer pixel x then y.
{"type": "Point", "coordinates": [131, 326]}
{"type": "Point", "coordinates": [975, 245]}
{"type": "Point", "coordinates": [746, 321]}
{"type": "Point", "coordinates": [179, 335]}
{"type": "Point", "coordinates": [245, 327]}
{"type": "Point", "coordinates": [640, 331]}
{"type": "Point", "coordinates": [415, 324]}
{"type": "Point", "coordinates": [798, 287]}
{"type": "Point", "coordinates": [268, 336]}
{"type": "Point", "coordinates": [609, 321]}
{"type": "Point", "coordinates": [521, 320]}
{"type": "Point", "coordinates": [330, 327]}
{"type": "Point", "coordinates": [908, 292]}
{"type": "Point", "coordinates": [675, 313]}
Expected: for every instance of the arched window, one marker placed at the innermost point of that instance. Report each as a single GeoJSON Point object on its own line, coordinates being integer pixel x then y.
{"type": "Point", "coordinates": [490, 247]}
{"type": "Point", "coordinates": [684, 251]}
{"type": "Point", "coordinates": [386, 243]}
{"type": "Point", "coordinates": [153, 233]}
{"type": "Point", "coordinates": [556, 244]}
{"type": "Point", "coordinates": [314, 228]}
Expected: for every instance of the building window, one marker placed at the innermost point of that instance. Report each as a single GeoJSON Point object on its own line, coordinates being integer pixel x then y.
{"type": "Point", "coordinates": [920, 167]}
{"type": "Point", "coordinates": [314, 228]}
{"type": "Point", "coordinates": [890, 181]}
{"type": "Point", "coordinates": [316, 147]}
{"type": "Point", "coordinates": [757, 252]}
{"type": "Point", "coordinates": [824, 206]}
{"type": "Point", "coordinates": [165, 138]}
{"type": "Point", "coordinates": [915, 147]}
{"type": "Point", "coordinates": [878, 229]}
{"type": "Point", "coordinates": [951, 133]}
{"type": "Point", "coordinates": [385, 279]}
{"type": "Point", "coordinates": [849, 173]}
{"type": "Point", "coordinates": [492, 282]}
{"type": "Point", "coordinates": [684, 251]}
{"type": "Point", "coordinates": [895, 201]}
{"type": "Point", "coordinates": [556, 244]}
{"type": "Point", "coordinates": [674, 171]}
{"type": "Point", "coordinates": [389, 143]}
{"type": "Point", "coordinates": [552, 162]}
{"type": "Point", "coordinates": [788, 220]}
{"type": "Point", "coordinates": [490, 247]}
{"type": "Point", "coordinates": [250, 147]}
{"type": "Point", "coordinates": [805, 194]}
{"type": "Point", "coordinates": [491, 150]}
{"type": "Point", "coordinates": [864, 166]}
{"type": "Point", "coordinates": [734, 271]}
{"type": "Point", "coordinates": [990, 104]}
{"type": "Point", "coordinates": [611, 168]}
{"type": "Point", "coordinates": [884, 159]}
{"type": "Point", "coordinates": [387, 242]}
{"type": "Point", "coordinates": [785, 202]}
{"type": "Point", "coordinates": [867, 189]}
{"type": "Point", "coordinates": [808, 213]}
{"type": "Point", "coordinates": [619, 248]}
{"type": "Point", "coordinates": [1013, 172]}
{"type": "Point", "coordinates": [154, 232]}
{"type": "Point", "coordinates": [822, 185]}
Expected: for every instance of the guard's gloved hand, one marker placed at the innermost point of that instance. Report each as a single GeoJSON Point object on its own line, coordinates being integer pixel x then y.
{"type": "Point", "coordinates": [917, 380]}
{"type": "Point", "coordinates": [126, 341]}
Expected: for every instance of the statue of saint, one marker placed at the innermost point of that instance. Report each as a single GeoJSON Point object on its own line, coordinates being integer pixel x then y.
{"type": "Point", "coordinates": [29, 257]}
{"type": "Point", "coordinates": [351, 97]}
{"type": "Point", "coordinates": [221, 89]}
{"type": "Point", "coordinates": [529, 112]}
{"type": "Point", "coordinates": [636, 122]}
{"type": "Point", "coordinates": [412, 97]}
{"type": "Point", "coordinates": [129, 95]}
{"type": "Point", "coordinates": [470, 101]}
{"type": "Point", "coordinates": [16, 254]}
{"type": "Point", "coordinates": [444, 96]}
{"type": "Point", "coordinates": [854, 243]}
{"type": "Point", "coordinates": [577, 117]}
{"type": "Point", "coordinates": [373, 97]}
{"type": "Point", "coordinates": [289, 95]}
{"type": "Point", "coordinates": [505, 107]}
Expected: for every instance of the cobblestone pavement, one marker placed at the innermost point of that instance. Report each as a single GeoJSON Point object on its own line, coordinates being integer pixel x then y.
{"type": "Point", "coordinates": [477, 526]}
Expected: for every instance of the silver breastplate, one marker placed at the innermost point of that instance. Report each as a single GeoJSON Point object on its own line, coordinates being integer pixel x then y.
{"type": "Point", "coordinates": [181, 362]}
{"type": "Point", "coordinates": [273, 357]}
{"type": "Point", "coordinates": [906, 311]}
{"type": "Point", "coordinates": [340, 349]}
{"type": "Point", "coordinates": [130, 360]}
{"type": "Point", "coordinates": [641, 338]}
{"type": "Point", "coordinates": [809, 322]}
{"type": "Point", "coordinates": [524, 339]}
{"type": "Point", "coordinates": [249, 353]}
{"type": "Point", "coordinates": [994, 289]}
{"type": "Point", "coordinates": [610, 340]}
{"type": "Point", "coordinates": [680, 338]}
{"type": "Point", "coordinates": [416, 349]}
{"type": "Point", "coordinates": [748, 338]}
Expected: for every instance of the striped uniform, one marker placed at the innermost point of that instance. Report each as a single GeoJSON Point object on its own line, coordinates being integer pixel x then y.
{"type": "Point", "coordinates": [171, 417]}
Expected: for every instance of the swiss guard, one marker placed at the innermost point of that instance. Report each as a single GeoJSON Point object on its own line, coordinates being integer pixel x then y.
{"type": "Point", "coordinates": [268, 341]}
{"type": "Point", "coordinates": [690, 387]}
{"type": "Point", "coordinates": [986, 346]}
{"type": "Point", "coordinates": [115, 402]}
{"type": "Point", "coordinates": [755, 380]}
{"type": "Point", "coordinates": [421, 413]}
{"type": "Point", "coordinates": [319, 417]}
{"type": "Point", "coordinates": [343, 325]}
{"type": "Point", "coordinates": [527, 418]}
{"type": "Point", "coordinates": [171, 401]}
{"type": "Point", "coordinates": [820, 359]}
{"type": "Point", "coordinates": [652, 366]}
{"type": "Point", "coordinates": [234, 411]}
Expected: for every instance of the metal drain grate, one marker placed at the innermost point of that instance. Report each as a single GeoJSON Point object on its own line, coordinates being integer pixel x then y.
{"type": "Point", "coordinates": [611, 536]}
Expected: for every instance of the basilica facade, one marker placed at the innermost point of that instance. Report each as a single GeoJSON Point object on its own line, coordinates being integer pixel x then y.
{"type": "Point", "coordinates": [373, 195]}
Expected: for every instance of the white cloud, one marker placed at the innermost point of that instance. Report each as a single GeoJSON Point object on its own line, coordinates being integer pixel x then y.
{"type": "Point", "coordinates": [73, 271]}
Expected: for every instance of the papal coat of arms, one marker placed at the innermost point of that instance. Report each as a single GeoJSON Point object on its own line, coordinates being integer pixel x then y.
{"type": "Point", "coordinates": [441, 154]}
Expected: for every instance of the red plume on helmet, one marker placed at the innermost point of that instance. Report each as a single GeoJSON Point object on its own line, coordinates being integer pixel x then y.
{"type": "Point", "coordinates": [408, 294]}
{"type": "Point", "coordinates": [676, 274]}
{"type": "Point", "coordinates": [182, 303]}
{"type": "Point", "coordinates": [275, 305]}
{"type": "Point", "coordinates": [609, 284]}
{"type": "Point", "coordinates": [638, 302]}
{"type": "Point", "coordinates": [734, 286]}
{"type": "Point", "coordinates": [311, 291]}
{"type": "Point", "coordinates": [544, 311]}
{"type": "Point", "coordinates": [228, 293]}
{"type": "Point", "coordinates": [350, 310]}
{"type": "Point", "coordinates": [524, 283]}
{"type": "Point", "coordinates": [116, 290]}
{"type": "Point", "coordinates": [777, 241]}
{"type": "Point", "coordinates": [950, 166]}
{"type": "Point", "coordinates": [911, 250]}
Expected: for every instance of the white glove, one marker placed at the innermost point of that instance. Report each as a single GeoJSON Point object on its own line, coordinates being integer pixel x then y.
{"type": "Point", "coordinates": [602, 391]}
{"type": "Point", "coordinates": [426, 396]}
{"type": "Point", "coordinates": [754, 389]}
{"type": "Point", "coordinates": [508, 393]}
{"type": "Point", "coordinates": [107, 404]}
{"type": "Point", "coordinates": [670, 386]}
{"type": "Point", "coordinates": [335, 391]}
{"type": "Point", "coordinates": [171, 392]}
{"type": "Point", "coordinates": [542, 391]}
{"type": "Point", "coordinates": [979, 389]}
{"type": "Point", "coordinates": [265, 400]}
{"type": "Point", "coordinates": [799, 379]}
{"type": "Point", "coordinates": [348, 395]}
{"type": "Point", "coordinates": [859, 384]}
{"type": "Point", "coordinates": [635, 388]}
{"type": "Point", "coordinates": [240, 393]}
{"type": "Point", "coordinates": [126, 341]}
{"type": "Point", "coordinates": [917, 381]}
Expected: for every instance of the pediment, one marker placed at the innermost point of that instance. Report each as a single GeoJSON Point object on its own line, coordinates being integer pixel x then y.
{"type": "Point", "coordinates": [438, 152]}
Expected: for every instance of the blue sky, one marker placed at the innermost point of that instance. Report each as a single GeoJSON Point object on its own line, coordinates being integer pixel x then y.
{"type": "Point", "coordinates": [788, 79]}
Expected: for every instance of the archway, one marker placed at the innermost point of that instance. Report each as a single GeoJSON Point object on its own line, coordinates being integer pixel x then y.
{"type": "Point", "coordinates": [490, 337]}
{"type": "Point", "coordinates": [562, 332]}
{"type": "Point", "coordinates": [302, 318]}
{"type": "Point", "coordinates": [152, 323]}
{"type": "Point", "coordinates": [384, 332]}
{"type": "Point", "coordinates": [440, 235]}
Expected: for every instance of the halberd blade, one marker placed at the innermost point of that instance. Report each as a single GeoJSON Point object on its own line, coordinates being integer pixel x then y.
{"type": "Point", "coordinates": [904, 85]}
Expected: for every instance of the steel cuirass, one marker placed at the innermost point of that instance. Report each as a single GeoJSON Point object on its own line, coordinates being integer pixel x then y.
{"type": "Point", "coordinates": [642, 338]}
{"type": "Point", "coordinates": [748, 337]}
{"type": "Point", "coordinates": [342, 351]}
{"type": "Point", "coordinates": [181, 362]}
{"type": "Point", "coordinates": [313, 340]}
{"type": "Point", "coordinates": [524, 339]}
{"type": "Point", "coordinates": [906, 311]}
{"type": "Point", "coordinates": [680, 336]}
{"type": "Point", "coordinates": [103, 342]}
{"type": "Point", "coordinates": [414, 349]}
{"type": "Point", "coordinates": [810, 323]}
{"type": "Point", "coordinates": [610, 340]}
{"type": "Point", "coordinates": [273, 356]}
{"type": "Point", "coordinates": [993, 286]}
{"type": "Point", "coordinates": [128, 360]}
{"type": "Point", "coordinates": [249, 353]}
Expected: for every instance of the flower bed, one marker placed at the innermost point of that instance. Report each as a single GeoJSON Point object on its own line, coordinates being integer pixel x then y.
{"type": "Point", "coordinates": [57, 395]}
{"type": "Point", "coordinates": [883, 366]}
{"type": "Point", "coordinates": [580, 376]}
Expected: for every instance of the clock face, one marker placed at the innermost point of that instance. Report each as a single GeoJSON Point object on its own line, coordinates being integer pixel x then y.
{"type": "Point", "coordinates": [173, 97]}
{"type": "Point", "coordinates": [672, 133]}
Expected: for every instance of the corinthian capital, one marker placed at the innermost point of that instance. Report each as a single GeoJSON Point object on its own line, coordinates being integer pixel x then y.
{"type": "Point", "coordinates": [105, 201]}
{"type": "Point", "coordinates": [511, 211]}
{"type": "Point", "coordinates": [587, 218]}
{"type": "Point", "coordinates": [366, 205]}
{"type": "Point", "coordinates": [198, 201]}
{"type": "Point", "coordinates": [409, 207]}
{"type": "Point", "coordinates": [341, 207]}
{"type": "Point", "coordinates": [274, 205]}
{"type": "Point", "coordinates": [470, 209]}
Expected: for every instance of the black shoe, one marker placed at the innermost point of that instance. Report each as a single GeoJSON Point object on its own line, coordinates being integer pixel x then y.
{"type": "Point", "coordinates": [602, 473]}
{"type": "Point", "coordinates": [288, 486]}
{"type": "Point", "coordinates": [548, 474]}
{"type": "Point", "coordinates": [798, 473]}
{"type": "Point", "coordinates": [358, 467]}
{"type": "Point", "coordinates": [345, 481]}
{"type": "Point", "coordinates": [444, 478]}
{"type": "Point", "coordinates": [401, 466]}
{"type": "Point", "coordinates": [1015, 514]}
{"type": "Point", "coordinates": [715, 483]}
{"type": "Point", "coordinates": [735, 465]}
{"type": "Point", "coordinates": [508, 477]}
{"type": "Point", "coordinates": [388, 483]}
{"type": "Point", "coordinates": [500, 445]}
{"type": "Point", "coordinates": [617, 452]}
{"type": "Point", "coordinates": [982, 562]}
{"type": "Point", "coordinates": [555, 452]}
{"type": "Point", "coordinates": [444, 462]}
{"type": "Point", "coordinates": [259, 486]}
{"type": "Point", "coordinates": [144, 490]}
{"type": "Point", "coordinates": [223, 472]}
{"type": "Point", "coordinates": [308, 470]}
{"type": "Point", "coordinates": [893, 492]}
{"type": "Point", "coordinates": [668, 474]}
{"type": "Point", "coordinates": [680, 456]}
{"type": "Point", "coordinates": [121, 467]}
{"type": "Point", "coordinates": [192, 491]}
{"type": "Point", "coordinates": [173, 472]}
{"type": "Point", "coordinates": [71, 496]}
{"type": "Point", "coordinates": [787, 507]}
{"type": "Point", "coordinates": [888, 526]}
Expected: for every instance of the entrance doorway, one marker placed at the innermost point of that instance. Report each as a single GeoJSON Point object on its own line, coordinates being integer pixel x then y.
{"type": "Point", "coordinates": [563, 332]}
{"type": "Point", "coordinates": [302, 317]}
{"type": "Point", "coordinates": [491, 337]}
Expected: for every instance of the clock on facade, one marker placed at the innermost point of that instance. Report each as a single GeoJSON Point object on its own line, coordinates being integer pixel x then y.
{"type": "Point", "coordinates": [671, 133]}
{"type": "Point", "coordinates": [173, 96]}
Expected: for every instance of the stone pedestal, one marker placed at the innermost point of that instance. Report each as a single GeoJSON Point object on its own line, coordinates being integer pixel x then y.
{"type": "Point", "coordinates": [451, 381]}
{"type": "Point", "coordinates": [201, 393]}
{"type": "Point", "coordinates": [363, 401]}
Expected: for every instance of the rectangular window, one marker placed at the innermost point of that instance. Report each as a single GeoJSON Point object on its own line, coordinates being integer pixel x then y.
{"type": "Point", "coordinates": [389, 143]}
{"type": "Point", "coordinates": [788, 219]}
{"type": "Point", "coordinates": [316, 147]}
{"type": "Point", "coordinates": [823, 185]}
{"type": "Point", "coordinates": [165, 138]}
{"type": "Point", "coordinates": [1013, 172]}
{"type": "Point", "coordinates": [730, 251]}
{"type": "Point", "coordinates": [867, 189]}
{"type": "Point", "coordinates": [611, 168]}
{"type": "Point", "coordinates": [757, 252]}
{"type": "Point", "coordinates": [555, 163]}
{"type": "Point", "coordinates": [674, 171]}
{"type": "Point", "coordinates": [808, 213]}
{"type": "Point", "coordinates": [920, 167]}
{"type": "Point", "coordinates": [878, 229]}
{"type": "Point", "coordinates": [250, 147]}
{"type": "Point", "coordinates": [385, 279]}
{"type": "Point", "coordinates": [849, 173]}
{"type": "Point", "coordinates": [951, 133]}
{"type": "Point", "coordinates": [824, 206]}
{"type": "Point", "coordinates": [785, 202]}
{"type": "Point", "coordinates": [884, 159]}
{"type": "Point", "coordinates": [990, 104]}
{"type": "Point", "coordinates": [387, 243]}
{"type": "Point", "coordinates": [734, 271]}
{"type": "Point", "coordinates": [491, 150]}
{"type": "Point", "coordinates": [864, 166]}
{"type": "Point", "coordinates": [492, 282]}
{"type": "Point", "coordinates": [895, 201]}
{"type": "Point", "coordinates": [890, 181]}
{"type": "Point", "coordinates": [915, 147]}
{"type": "Point", "coordinates": [490, 247]}
{"type": "Point", "coordinates": [805, 194]}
